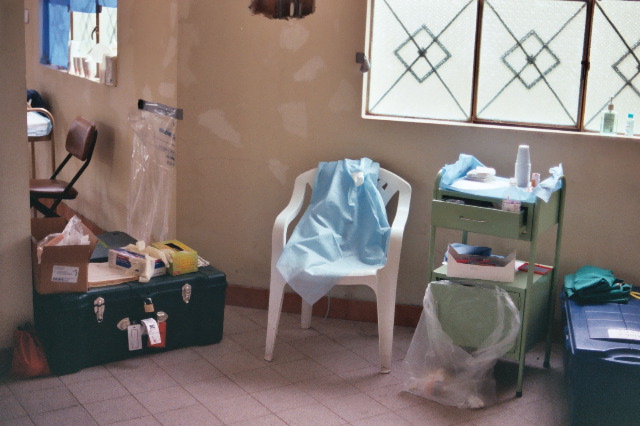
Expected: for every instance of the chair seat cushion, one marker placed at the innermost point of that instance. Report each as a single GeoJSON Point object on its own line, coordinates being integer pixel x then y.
{"type": "Point", "coordinates": [51, 188]}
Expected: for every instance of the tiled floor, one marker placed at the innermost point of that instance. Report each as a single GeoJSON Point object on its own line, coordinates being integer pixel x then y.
{"type": "Point", "coordinates": [326, 375]}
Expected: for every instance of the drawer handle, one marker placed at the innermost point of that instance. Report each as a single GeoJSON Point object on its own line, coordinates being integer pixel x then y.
{"type": "Point", "coordinates": [472, 220]}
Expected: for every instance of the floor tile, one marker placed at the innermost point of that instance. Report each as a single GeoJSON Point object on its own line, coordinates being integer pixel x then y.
{"type": "Point", "coordinates": [238, 408]}
{"type": "Point", "coordinates": [386, 419]}
{"type": "Point", "coordinates": [238, 324]}
{"type": "Point", "coordinates": [317, 345]}
{"type": "Point", "coordinates": [355, 339]}
{"type": "Point", "coordinates": [97, 390]}
{"type": "Point", "coordinates": [304, 369]}
{"type": "Point", "coordinates": [282, 353]}
{"type": "Point", "coordinates": [212, 352]}
{"type": "Point", "coordinates": [435, 413]}
{"type": "Point", "coordinates": [250, 339]}
{"type": "Point", "coordinates": [191, 372]}
{"type": "Point", "coordinates": [283, 398]}
{"type": "Point", "coordinates": [194, 415]}
{"type": "Point", "coordinates": [176, 356]}
{"type": "Point", "coordinates": [215, 389]}
{"type": "Point", "coordinates": [311, 415]}
{"type": "Point", "coordinates": [143, 379]}
{"type": "Point", "coordinates": [293, 333]}
{"type": "Point", "coordinates": [165, 399]}
{"type": "Point", "coordinates": [46, 400]}
{"type": "Point", "coordinates": [76, 416]}
{"type": "Point", "coordinates": [327, 387]}
{"type": "Point", "coordinates": [30, 385]}
{"type": "Point", "coordinates": [328, 374]}
{"type": "Point", "coordinates": [547, 411]}
{"type": "Point", "coordinates": [369, 378]}
{"type": "Point", "coordinates": [140, 421]}
{"type": "Point", "coordinates": [236, 362]}
{"type": "Point", "coordinates": [394, 397]}
{"type": "Point", "coordinates": [116, 410]}
{"type": "Point", "coordinates": [85, 375]}
{"type": "Point", "coordinates": [10, 408]}
{"type": "Point", "coordinates": [18, 421]}
{"type": "Point", "coordinates": [342, 361]}
{"type": "Point", "coordinates": [355, 407]}
{"type": "Point", "coordinates": [259, 379]}
{"type": "Point", "coordinates": [270, 420]}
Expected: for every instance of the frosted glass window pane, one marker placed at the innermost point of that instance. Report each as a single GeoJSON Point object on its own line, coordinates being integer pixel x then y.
{"type": "Point", "coordinates": [530, 61]}
{"type": "Point", "coordinates": [83, 25]}
{"type": "Point", "coordinates": [422, 58]}
{"type": "Point", "coordinates": [109, 26]}
{"type": "Point", "coordinates": [615, 64]}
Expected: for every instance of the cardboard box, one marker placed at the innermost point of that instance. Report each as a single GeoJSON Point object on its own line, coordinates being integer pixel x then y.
{"type": "Point", "coordinates": [62, 269]}
{"type": "Point", "coordinates": [470, 266]}
{"type": "Point", "coordinates": [185, 259]}
{"type": "Point", "coordinates": [134, 263]}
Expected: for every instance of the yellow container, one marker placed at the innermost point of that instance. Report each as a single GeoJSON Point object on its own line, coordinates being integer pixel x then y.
{"type": "Point", "coordinates": [185, 259]}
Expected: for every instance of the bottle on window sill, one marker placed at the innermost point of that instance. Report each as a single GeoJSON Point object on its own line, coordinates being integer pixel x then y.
{"type": "Point", "coordinates": [609, 124]}
{"type": "Point", "coordinates": [628, 127]}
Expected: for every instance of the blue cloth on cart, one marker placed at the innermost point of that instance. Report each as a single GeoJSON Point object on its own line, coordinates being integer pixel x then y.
{"type": "Point", "coordinates": [343, 231]}
{"type": "Point", "coordinates": [466, 163]}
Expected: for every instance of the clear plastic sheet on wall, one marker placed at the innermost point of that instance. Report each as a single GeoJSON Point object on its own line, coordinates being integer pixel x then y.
{"type": "Point", "coordinates": [152, 171]}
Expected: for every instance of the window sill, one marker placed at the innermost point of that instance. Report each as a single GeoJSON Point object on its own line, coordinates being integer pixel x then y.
{"type": "Point", "coordinates": [617, 137]}
{"type": "Point", "coordinates": [82, 77]}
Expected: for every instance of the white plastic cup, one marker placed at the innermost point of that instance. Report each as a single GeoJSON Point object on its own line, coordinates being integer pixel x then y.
{"type": "Point", "coordinates": [523, 167]}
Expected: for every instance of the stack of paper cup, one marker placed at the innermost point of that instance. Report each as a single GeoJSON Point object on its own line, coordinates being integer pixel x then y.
{"type": "Point", "coordinates": [523, 167]}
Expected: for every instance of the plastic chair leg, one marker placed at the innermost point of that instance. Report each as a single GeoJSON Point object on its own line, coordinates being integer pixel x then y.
{"type": "Point", "coordinates": [276, 293]}
{"type": "Point", "coordinates": [386, 311]}
{"type": "Point", "coordinates": [305, 314]}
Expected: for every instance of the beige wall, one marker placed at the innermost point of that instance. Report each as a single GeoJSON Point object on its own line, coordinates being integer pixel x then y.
{"type": "Point", "coordinates": [147, 38]}
{"type": "Point", "coordinates": [264, 100]}
{"type": "Point", "coordinates": [15, 254]}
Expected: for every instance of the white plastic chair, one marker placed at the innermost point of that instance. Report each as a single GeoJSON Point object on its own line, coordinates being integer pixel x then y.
{"type": "Point", "coordinates": [383, 281]}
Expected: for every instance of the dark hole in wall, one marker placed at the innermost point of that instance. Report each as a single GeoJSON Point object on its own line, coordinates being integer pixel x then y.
{"type": "Point", "coordinates": [282, 9]}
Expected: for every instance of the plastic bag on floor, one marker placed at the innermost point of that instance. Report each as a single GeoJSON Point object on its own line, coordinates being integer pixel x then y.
{"type": "Point", "coordinates": [464, 329]}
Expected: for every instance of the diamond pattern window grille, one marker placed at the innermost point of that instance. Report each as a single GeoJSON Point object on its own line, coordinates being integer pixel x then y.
{"type": "Point", "coordinates": [421, 51]}
{"type": "Point", "coordinates": [615, 59]}
{"type": "Point", "coordinates": [539, 63]}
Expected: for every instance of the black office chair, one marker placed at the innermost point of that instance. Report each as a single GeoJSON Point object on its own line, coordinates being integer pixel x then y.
{"type": "Point", "coordinates": [81, 139]}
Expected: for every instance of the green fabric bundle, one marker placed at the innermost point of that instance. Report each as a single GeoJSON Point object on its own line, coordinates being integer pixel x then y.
{"type": "Point", "coordinates": [591, 284]}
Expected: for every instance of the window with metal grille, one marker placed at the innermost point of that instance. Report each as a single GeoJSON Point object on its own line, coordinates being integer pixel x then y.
{"type": "Point", "coordinates": [534, 63]}
{"type": "Point", "coordinates": [80, 36]}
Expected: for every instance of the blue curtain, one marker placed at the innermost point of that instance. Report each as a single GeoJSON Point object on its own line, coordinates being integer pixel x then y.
{"type": "Point", "coordinates": [108, 3]}
{"type": "Point", "coordinates": [56, 27]}
{"type": "Point", "coordinates": [85, 6]}
{"type": "Point", "coordinates": [55, 34]}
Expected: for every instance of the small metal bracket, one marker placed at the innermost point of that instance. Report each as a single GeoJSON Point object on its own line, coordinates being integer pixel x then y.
{"type": "Point", "coordinates": [123, 324]}
{"type": "Point", "coordinates": [186, 293]}
{"type": "Point", "coordinates": [162, 316]}
{"type": "Point", "coordinates": [98, 309]}
{"type": "Point", "coordinates": [361, 58]}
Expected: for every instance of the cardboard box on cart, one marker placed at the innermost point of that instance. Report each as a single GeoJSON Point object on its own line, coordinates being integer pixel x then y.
{"type": "Point", "coordinates": [62, 269]}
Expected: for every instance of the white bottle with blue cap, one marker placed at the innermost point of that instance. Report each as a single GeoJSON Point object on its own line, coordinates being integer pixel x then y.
{"type": "Point", "coordinates": [628, 127]}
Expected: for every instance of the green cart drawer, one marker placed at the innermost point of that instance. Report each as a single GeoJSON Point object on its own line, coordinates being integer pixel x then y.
{"type": "Point", "coordinates": [479, 220]}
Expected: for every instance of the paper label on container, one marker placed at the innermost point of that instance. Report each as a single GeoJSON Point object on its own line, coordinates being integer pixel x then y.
{"type": "Point", "coordinates": [624, 334]}
{"type": "Point", "coordinates": [135, 337]}
{"type": "Point", "coordinates": [152, 330]}
{"type": "Point", "coordinates": [65, 274]}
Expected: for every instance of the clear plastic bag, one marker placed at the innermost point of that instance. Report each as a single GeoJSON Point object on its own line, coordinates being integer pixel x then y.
{"type": "Point", "coordinates": [152, 175]}
{"type": "Point", "coordinates": [464, 329]}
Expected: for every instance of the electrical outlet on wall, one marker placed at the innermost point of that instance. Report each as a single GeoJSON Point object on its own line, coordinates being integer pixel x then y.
{"type": "Point", "coordinates": [26, 16]}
